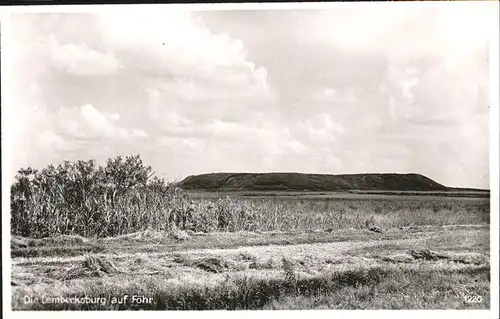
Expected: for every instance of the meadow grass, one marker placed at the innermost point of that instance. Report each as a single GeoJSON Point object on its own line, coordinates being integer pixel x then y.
{"type": "Point", "coordinates": [421, 268]}
{"type": "Point", "coordinates": [205, 252]}
{"type": "Point", "coordinates": [369, 270]}
{"type": "Point", "coordinates": [352, 287]}
{"type": "Point", "coordinates": [295, 214]}
{"type": "Point", "coordinates": [163, 212]}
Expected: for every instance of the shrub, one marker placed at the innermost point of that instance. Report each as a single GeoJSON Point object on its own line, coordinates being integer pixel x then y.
{"type": "Point", "coordinates": [89, 200]}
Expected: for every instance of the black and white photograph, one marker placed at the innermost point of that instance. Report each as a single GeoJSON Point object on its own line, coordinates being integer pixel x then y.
{"type": "Point", "coordinates": [250, 157]}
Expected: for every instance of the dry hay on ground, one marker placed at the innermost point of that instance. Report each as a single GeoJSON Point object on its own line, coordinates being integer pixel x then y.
{"type": "Point", "coordinates": [150, 235]}
{"type": "Point", "coordinates": [469, 258]}
{"type": "Point", "coordinates": [427, 254]}
{"type": "Point", "coordinates": [214, 264]}
{"type": "Point", "coordinates": [91, 267]}
{"type": "Point", "coordinates": [178, 234]}
{"type": "Point", "coordinates": [399, 258]}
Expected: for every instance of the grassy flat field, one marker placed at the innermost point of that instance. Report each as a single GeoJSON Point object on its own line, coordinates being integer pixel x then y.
{"type": "Point", "coordinates": [416, 252]}
{"type": "Point", "coordinates": [358, 195]}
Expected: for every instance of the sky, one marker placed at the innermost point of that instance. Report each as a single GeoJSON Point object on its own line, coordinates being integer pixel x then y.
{"type": "Point", "coordinates": [351, 89]}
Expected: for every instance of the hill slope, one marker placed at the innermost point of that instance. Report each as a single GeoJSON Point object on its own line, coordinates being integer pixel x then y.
{"type": "Point", "coordinates": [309, 182]}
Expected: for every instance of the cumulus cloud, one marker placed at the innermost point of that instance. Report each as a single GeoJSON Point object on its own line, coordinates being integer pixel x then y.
{"type": "Point", "coordinates": [78, 59]}
{"type": "Point", "coordinates": [241, 132]}
{"type": "Point", "coordinates": [172, 36]}
{"type": "Point", "coordinates": [400, 81]}
{"type": "Point", "coordinates": [321, 128]}
{"type": "Point", "coordinates": [173, 43]}
{"type": "Point", "coordinates": [235, 139]}
{"type": "Point", "coordinates": [138, 133]}
{"type": "Point", "coordinates": [49, 139]}
{"type": "Point", "coordinates": [223, 131]}
{"type": "Point", "coordinates": [42, 51]}
{"type": "Point", "coordinates": [99, 123]}
{"type": "Point", "coordinates": [89, 123]}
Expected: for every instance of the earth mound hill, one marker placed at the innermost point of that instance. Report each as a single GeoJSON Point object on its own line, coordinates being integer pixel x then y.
{"type": "Point", "coordinates": [309, 182]}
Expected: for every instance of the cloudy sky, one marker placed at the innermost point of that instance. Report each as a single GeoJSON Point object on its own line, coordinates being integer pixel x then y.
{"type": "Point", "coordinates": [350, 89]}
